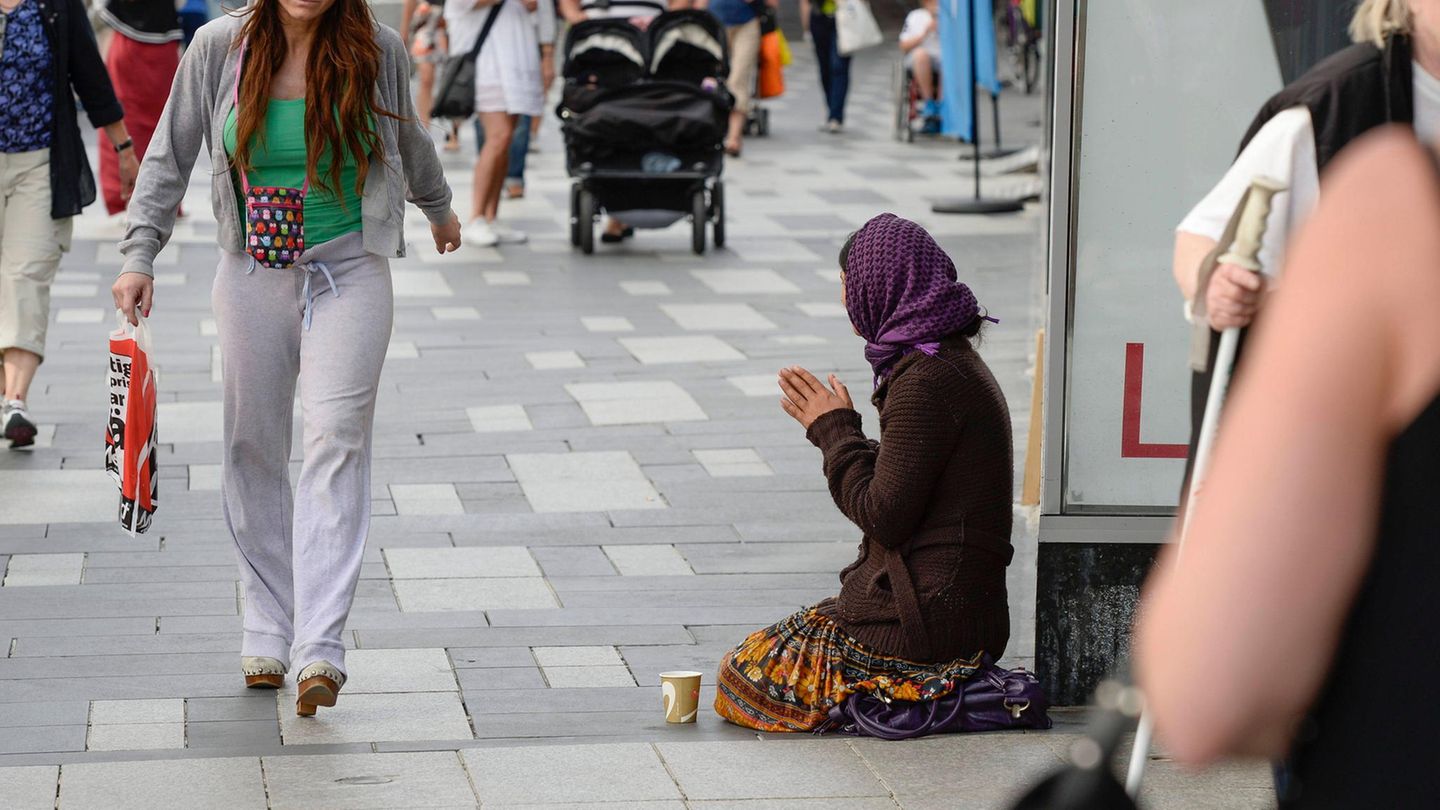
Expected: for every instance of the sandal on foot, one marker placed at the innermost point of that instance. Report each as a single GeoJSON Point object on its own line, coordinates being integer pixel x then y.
{"type": "Point", "coordinates": [262, 673]}
{"type": "Point", "coordinates": [319, 685]}
{"type": "Point", "coordinates": [616, 238]}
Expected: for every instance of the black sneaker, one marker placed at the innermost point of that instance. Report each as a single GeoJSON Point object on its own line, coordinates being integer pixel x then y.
{"type": "Point", "coordinates": [19, 429]}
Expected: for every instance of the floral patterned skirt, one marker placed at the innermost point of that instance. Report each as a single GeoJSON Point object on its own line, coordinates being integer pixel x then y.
{"type": "Point", "coordinates": [787, 676]}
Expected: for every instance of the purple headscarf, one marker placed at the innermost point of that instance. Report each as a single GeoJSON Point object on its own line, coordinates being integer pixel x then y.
{"type": "Point", "coordinates": [902, 293]}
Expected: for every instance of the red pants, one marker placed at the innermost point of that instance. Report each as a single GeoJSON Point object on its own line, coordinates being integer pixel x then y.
{"type": "Point", "coordinates": [142, 75]}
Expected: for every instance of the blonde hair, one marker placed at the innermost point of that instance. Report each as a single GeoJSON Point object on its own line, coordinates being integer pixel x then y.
{"type": "Point", "coordinates": [1377, 20]}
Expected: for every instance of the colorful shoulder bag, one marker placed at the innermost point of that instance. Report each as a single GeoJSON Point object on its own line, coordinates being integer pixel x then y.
{"type": "Point", "coordinates": [274, 215]}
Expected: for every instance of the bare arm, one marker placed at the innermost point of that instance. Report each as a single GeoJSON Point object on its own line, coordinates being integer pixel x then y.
{"type": "Point", "coordinates": [407, 15]}
{"type": "Point", "coordinates": [1190, 250]}
{"type": "Point", "coordinates": [805, 16]}
{"type": "Point", "coordinates": [1281, 538]}
{"type": "Point", "coordinates": [571, 11]}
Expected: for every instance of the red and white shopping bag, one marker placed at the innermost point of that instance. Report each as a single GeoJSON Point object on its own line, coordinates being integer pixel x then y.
{"type": "Point", "coordinates": [130, 432]}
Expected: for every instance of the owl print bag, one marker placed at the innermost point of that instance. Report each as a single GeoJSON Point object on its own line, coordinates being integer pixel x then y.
{"type": "Point", "coordinates": [274, 215]}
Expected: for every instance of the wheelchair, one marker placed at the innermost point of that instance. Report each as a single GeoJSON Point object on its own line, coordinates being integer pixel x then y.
{"type": "Point", "coordinates": [908, 114]}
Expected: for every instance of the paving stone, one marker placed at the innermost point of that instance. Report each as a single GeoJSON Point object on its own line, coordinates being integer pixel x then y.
{"type": "Point", "coordinates": [234, 734]}
{"type": "Point", "coordinates": [757, 385]}
{"type": "Point", "coordinates": [515, 775]}
{"type": "Point", "coordinates": [647, 560]}
{"type": "Point", "coordinates": [607, 323]}
{"type": "Point", "coordinates": [998, 767]}
{"type": "Point", "coordinates": [56, 496]}
{"type": "Point", "coordinates": [742, 462]}
{"type": "Point", "coordinates": [491, 679]}
{"type": "Point", "coordinates": [768, 557]}
{"type": "Point", "coordinates": [421, 595]}
{"type": "Point", "coordinates": [717, 317]}
{"type": "Point", "coordinates": [584, 482]}
{"type": "Point", "coordinates": [633, 403]}
{"type": "Point", "coordinates": [191, 422]}
{"type": "Point", "coordinates": [368, 781]}
{"type": "Point", "coordinates": [573, 561]}
{"type": "Point", "coordinates": [376, 671]}
{"type": "Point", "coordinates": [745, 282]}
{"type": "Point", "coordinates": [506, 278]}
{"type": "Point", "coordinates": [30, 786]}
{"type": "Point", "coordinates": [490, 657]}
{"type": "Point", "coordinates": [645, 288]}
{"type": "Point", "coordinates": [426, 499]}
{"type": "Point", "coordinates": [420, 284]}
{"type": "Point", "coordinates": [801, 804]}
{"type": "Point", "coordinates": [130, 712]}
{"type": "Point", "coordinates": [499, 418]}
{"type": "Point", "coordinates": [368, 718]}
{"type": "Point", "coordinates": [204, 477]}
{"type": "Point", "coordinates": [450, 563]}
{"type": "Point", "coordinates": [577, 656]}
{"type": "Point", "coordinates": [42, 739]}
{"type": "Point", "coordinates": [136, 737]}
{"type": "Point", "coordinates": [455, 313]}
{"type": "Point", "coordinates": [259, 705]}
{"type": "Point", "coordinates": [587, 677]}
{"type": "Point", "coordinates": [43, 569]}
{"type": "Point", "coordinates": [735, 770]}
{"type": "Point", "coordinates": [544, 361]}
{"type": "Point", "coordinates": [44, 713]}
{"type": "Point", "coordinates": [684, 349]}
{"type": "Point", "coordinates": [152, 784]}
{"type": "Point", "coordinates": [826, 309]}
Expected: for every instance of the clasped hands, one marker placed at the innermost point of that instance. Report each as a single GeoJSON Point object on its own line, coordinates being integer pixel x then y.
{"type": "Point", "coordinates": [807, 399]}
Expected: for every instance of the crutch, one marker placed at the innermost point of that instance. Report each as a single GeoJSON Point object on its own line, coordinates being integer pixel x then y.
{"type": "Point", "coordinates": [1244, 251]}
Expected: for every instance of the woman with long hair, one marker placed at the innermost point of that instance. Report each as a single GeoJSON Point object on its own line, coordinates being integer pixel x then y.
{"type": "Point", "coordinates": [508, 85]}
{"type": "Point", "coordinates": [305, 107]}
{"type": "Point", "coordinates": [926, 599]}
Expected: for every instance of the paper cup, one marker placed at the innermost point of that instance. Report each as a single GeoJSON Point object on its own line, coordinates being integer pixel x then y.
{"type": "Point", "coordinates": [681, 691]}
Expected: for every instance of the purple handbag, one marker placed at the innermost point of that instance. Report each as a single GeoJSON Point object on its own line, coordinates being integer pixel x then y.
{"type": "Point", "coordinates": [992, 699]}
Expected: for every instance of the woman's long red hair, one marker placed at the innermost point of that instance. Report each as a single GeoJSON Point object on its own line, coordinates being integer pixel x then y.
{"type": "Point", "coordinates": [341, 113]}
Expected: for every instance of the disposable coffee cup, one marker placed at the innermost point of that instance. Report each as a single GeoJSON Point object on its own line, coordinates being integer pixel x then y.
{"type": "Point", "coordinates": [681, 691]}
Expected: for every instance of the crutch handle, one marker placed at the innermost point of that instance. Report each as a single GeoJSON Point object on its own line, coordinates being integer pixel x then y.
{"type": "Point", "coordinates": [1245, 249]}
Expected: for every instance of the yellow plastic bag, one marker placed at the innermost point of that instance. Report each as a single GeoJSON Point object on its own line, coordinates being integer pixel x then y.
{"type": "Point", "coordinates": [785, 57]}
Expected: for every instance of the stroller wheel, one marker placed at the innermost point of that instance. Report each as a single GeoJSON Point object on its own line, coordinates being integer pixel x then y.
{"type": "Point", "coordinates": [717, 211]}
{"type": "Point", "coordinates": [588, 209]}
{"type": "Point", "coordinates": [762, 127]}
{"type": "Point", "coordinates": [575, 215]}
{"type": "Point", "coordinates": [699, 215]}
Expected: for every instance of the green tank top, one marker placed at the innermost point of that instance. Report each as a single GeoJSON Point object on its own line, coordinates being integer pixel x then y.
{"type": "Point", "coordinates": [278, 159]}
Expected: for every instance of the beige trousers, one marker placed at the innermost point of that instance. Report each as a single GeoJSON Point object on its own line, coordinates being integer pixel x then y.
{"type": "Point", "coordinates": [30, 247]}
{"type": "Point", "coordinates": [744, 61]}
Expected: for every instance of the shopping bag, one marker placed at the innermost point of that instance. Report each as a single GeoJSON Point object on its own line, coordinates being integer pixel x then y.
{"type": "Point", "coordinates": [785, 57]}
{"type": "Point", "coordinates": [131, 432]}
{"type": "Point", "coordinates": [855, 27]}
{"type": "Point", "coordinates": [772, 77]}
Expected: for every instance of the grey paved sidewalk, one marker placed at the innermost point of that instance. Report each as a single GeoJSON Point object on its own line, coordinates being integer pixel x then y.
{"type": "Point", "coordinates": [582, 478]}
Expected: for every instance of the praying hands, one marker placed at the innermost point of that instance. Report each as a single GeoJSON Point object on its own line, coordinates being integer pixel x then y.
{"type": "Point", "coordinates": [807, 399]}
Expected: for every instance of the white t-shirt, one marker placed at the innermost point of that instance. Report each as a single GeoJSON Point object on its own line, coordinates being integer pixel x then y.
{"type": "Point", "coordinates": [1285, 149]}
{"type": "Point", "coordinates": [915, 22]}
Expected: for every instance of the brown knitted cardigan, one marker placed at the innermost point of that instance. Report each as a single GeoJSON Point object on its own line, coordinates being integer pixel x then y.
{"type": "Point", "coordinates": [934, 501]}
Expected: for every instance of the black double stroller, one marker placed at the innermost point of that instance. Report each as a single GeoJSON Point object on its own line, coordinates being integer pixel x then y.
{"type": "Point", "coordinates": [644, 115]}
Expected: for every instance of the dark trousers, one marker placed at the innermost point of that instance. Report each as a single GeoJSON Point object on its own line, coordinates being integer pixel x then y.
{"type": "Point", "coordinates": [834, 68]}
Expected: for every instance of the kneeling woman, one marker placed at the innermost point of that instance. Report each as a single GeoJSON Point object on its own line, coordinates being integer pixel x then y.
{"type": "Point", "coordinates": [305, 108]}
{"type": "Point", "coordinates": [926, 597]}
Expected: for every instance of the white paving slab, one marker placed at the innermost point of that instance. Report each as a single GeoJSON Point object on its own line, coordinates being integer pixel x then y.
{"type": "Point", "coordinates": [369, 672]}
{"type": "Point", "coordinates": [514, 776]}
{"type": "Point", "coordinates": [746, 282]}
{"type": "Point", "coordinates": [499, 418]}
{"type": "Point", "coordinates": [738, 463]}
{"type": "Point", "coordinates": [588, 677]}
{"type": "Point", "coordinates": [506, 278]}
{"type": "Point", "coordinates": [432, 779]}
{"type": "Point", "coordinates": [545, 361]}
{"type": "Point", "coordinates": [58, 496]}
{"type": "Point", "coordinates": [208, 328]}
{"type": "Point", "coordinates": [681, 349]}
{"type": "Point", "coordinates": [136, 737]}
{"type": "Point", "coordinates": [426, 499]}
{"type": "Point", "coordinates": [455, 313]}
{"type": "Point", "coordinates": [438, 595]}
{"type": "Point", "coordinates": [402, 350]}
{"type": "Point", "coordinates": [757, 385]}
{"type": "Point", "coordinates": [420, 284]}
{"type": "Point", "coordinates": [121, 712]}
{"type": "Point", "coordinates": [800, 340]}
{"type": "Point", "coordinates": [648, 560]}
{"type": "Point", "coordinates": [464, 562]}
{"type": "Point", "coordinates": [44, 569]}
{"type": "Point", "coordinates": [79, 315]}
{"type": "Point", "coordinates": [74, 290]}
{"type": "Point", "coordinates": [584, 482]}
{"type": "Point", "coordinates": [30, 785]}
{"type": "Point", "coordinates": [823, 309]}
{"type": "Point", "coordinates": [645, 288]}
{"type": "Point", "coordinates": [187, 422]}
{"type": "Point", "coordinates": [389, 717]}
{"type": "Point", "coordinates": [578, 656]}
{"type": "Point", "coordinates": [717, 317]}
{"type": "Point", "coordinates": [231, 782]}
{"type": "Point", "coordinates": [607, 323]}
{"type": "Point", "coordinates": [205, 477]}
{"type": "Point", "coordinates": [634, 403]}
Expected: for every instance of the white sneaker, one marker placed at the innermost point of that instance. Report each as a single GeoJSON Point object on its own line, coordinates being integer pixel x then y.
{"type": "Point", "coordinates": [508, 235]}
{"type": "Point", "coordinates": [19, 428]}
{"type": "Point", "coordinates": [479, 234]}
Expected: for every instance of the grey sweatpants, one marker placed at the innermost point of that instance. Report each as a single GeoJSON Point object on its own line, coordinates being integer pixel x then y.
{"type": "Point", "coordinates": [300, 555]}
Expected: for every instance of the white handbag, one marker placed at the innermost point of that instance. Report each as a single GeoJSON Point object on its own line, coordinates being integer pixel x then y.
{"type": "Point", "coordinates": [855, 27]}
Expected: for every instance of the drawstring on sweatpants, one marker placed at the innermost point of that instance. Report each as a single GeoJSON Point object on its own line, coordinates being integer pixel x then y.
{"type": "Point", "coordinates": [309, 269]}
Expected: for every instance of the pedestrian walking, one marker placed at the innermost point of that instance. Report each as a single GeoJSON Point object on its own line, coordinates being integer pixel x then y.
{"type": "Point", "coordinates": [1390, 75]}
{"type": "Point", "coordinates": [48, 56]}
{"type": "Point", "coordinates": [142, 58]}
{"type": "Point", "coordinates": [741, 19]}
{"type": "Point", "coordinates": [926, 599]}
{"type": "Point", "coordinates": [508, 85]}
{"type": "Point", "coordinates": [1305, 603]}
{"type": "Point", "coordinates": [302, 294]}
{"type": "Point", "coordinates": [818, 19]}
{"type": "Point", "coordinates": [424, 24]}
{"type": "Point", "coordinates": [526, 126]}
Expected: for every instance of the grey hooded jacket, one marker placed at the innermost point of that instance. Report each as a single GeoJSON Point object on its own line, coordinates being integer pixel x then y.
{"type": "Point", "coordinates": [200, 100]}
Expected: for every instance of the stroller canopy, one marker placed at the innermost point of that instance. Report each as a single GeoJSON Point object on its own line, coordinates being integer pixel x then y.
{"type": "Point", "coordinates": [606, 52]}
{"type": "Point", "coordinates": [688, 46]}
